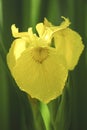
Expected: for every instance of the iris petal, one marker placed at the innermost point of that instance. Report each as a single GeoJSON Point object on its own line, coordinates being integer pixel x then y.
{"type": "Point", "coordinates": [44, 81]}
{"type": "Point", "coordinates": [69, 45]}
{"type": "Point", "coordinates": [40, 64]}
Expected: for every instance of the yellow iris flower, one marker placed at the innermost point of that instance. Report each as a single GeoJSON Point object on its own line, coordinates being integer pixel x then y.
{"type": "Point", "coordinates": [40, 63]}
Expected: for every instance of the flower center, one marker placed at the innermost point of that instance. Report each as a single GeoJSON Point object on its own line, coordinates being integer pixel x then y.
{"type": "Point", "coordinates": [39, 54]}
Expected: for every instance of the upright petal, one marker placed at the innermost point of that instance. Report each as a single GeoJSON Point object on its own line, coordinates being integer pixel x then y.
{"type": "Point", "coordinates": [44, 32]}
{"type": "Point", "coordinates": [16, 33]}
{"type": "Point", "coordinates": [63, 25]}
{"type": "Point", "coordinates": [40, 29]}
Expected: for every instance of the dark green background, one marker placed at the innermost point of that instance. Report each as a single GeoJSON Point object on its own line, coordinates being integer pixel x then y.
{"type": "Point", "coordinates": [17, 111]}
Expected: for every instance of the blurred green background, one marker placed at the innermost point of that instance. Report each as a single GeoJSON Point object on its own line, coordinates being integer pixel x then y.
{"type": "Point", "coordinates": [17, 110]}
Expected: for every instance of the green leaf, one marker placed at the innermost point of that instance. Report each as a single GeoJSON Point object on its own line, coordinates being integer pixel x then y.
{"type": "Point", "coordinates": [38, 119]}
{"type": "Point", "coordinates": [63, 117]}
{"type": "Point", "coordinates": [27, 113]}
{"type": "Point", "coordinates": [4, 102]}
{"type": "Point", "coordinates": [53, 107]}
{"type": "Point", "coordinates": [46, 116]}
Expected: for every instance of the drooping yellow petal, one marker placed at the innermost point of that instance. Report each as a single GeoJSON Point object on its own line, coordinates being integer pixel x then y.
{"type": "Point", "coordinates": [69, 45]}
{"type": "Point", "coordinates": [15, 52]}
{"type": "Point", "coordinates": [42, 80]}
